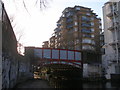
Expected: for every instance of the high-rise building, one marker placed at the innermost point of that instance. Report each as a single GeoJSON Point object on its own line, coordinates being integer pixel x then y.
{"type": "Point", "coordinates": [111, 59]}
{"type": "Point", "coordinates": [79, 29]}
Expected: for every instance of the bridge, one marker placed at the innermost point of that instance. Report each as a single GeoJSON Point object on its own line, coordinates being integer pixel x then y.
{"type": "Point", "coordinates": [45, 56]}
{"type": "Point", "coordinates": [56, 64]}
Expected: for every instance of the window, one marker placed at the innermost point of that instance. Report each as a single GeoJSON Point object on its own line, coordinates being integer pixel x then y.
{"type": "Point", "coordinates": [69, 14]}
{"type": "Point", "coordinates": [92, 29]}
{"type": "Point", "coordinates": [100, 27]}
{"type": "Point", "coordinates": [86, 41]}
{"type": "Point", "coordinates": [75, 23]}
{"type": "Point", "coordinates": [88, 47]}
{"type": "Point", "coordinates": [77, 8]}
{"type": "Point", "coordinates": [92, 23]}
{"type": "Point", "coordinates": [75, 17]}
{"type": "Point", "coordinates": [63, 15]}
{"type": "Point", "coordinates": [58, 24]}
{"type": "Point", "coordinates": [115, 6]}
{"type": "Point", "coordinates": [66, 10]}
{"type": "Point", "coordinates": [87, 35]}
{"type": "Point", "coordinates": [92, 35]}
{"type": "Point", "coordinates": [85, 18]}
{"type": "Point", "coordinates": [93, 42]}
{"type": "Point", "coordinates": [86, 25]}
{"type": "Point", "coordinates": [75, 29]}
{"type": "Point", "coordinates": [88, 14]}
{"type": "Point", "coordinates": [77, 40]}
{"type": "Point", "coordinates": [69, 26]}
{"type": "Point", "coordinates": [69, 20]}
{"type": "Point", "coordinates": [92, 18]}
{"type": "Point", "coordinates": [86, 31]}
{"type": "Point", "coordinates": [85, 47]}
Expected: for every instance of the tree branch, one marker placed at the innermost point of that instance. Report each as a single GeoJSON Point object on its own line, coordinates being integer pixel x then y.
{"type": "Point", "coordinates": [25, 7]}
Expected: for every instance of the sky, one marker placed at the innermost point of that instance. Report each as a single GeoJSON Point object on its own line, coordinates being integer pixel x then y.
{"type": "Point", "coordinates": [33, 25]}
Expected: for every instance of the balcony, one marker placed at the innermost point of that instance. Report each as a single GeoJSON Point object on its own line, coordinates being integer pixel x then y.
{"type": "Point", "coordinates": [86, 25]}
{"type": "Point", "coordinates": [70, 13]}
{"type": "Point", "coordinates": [69, 26]}
{"type": "Point", "coordinates": [58, 24]}
{"type": "Point", "coordinates": [85, 19]}
{"type": "Point", "coordinates": [86, 31]}
{"type": "Point", "coordinates": [87, 41]}
{"type": "Point", "coordinates": [88, 47]}
{"type": "Point", "coordinates": [111, 26]}
{"type": "Point", "coordinates": [112, 12]}
{"type": "Point", "coordinates": [86, 36]}
{"type": "Point", "coordinates": [69, 20]}
{"type": "Point", "coordinates": [113, 43]}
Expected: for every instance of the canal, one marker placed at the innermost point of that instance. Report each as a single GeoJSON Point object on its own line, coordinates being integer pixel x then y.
{"type": "Point", "coordinates": [60, 81]}
{"type": "Point", "coordinates": [92, 85]}
{"type": "Point", "coordinates": [40, 84]}
{"type": "Point", "coordinates": [75, 83]}
{"type": "Point", "coordinates": [103, 85]}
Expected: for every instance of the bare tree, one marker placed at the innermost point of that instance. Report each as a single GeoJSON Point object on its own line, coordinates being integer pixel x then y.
{"type": "Point", "coordinates": [20, 46]}
{"type": "Point", "coordinates": [42, 4]}
{"type": "Point", "coordinates": [19, 33]}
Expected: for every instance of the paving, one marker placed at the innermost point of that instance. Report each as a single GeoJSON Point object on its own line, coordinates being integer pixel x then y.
{"type": "Point", "coordinates": [34, 83]}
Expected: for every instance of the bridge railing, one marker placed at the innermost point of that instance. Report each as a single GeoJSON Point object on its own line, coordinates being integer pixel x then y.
{"type": "Point", "coordinates": [56, 56]}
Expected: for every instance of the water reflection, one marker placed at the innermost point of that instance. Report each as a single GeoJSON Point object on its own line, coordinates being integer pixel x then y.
{"type": "Point", "coordinates": [101, 85]}
{"type": "Point", "coordinates": [86, 85]}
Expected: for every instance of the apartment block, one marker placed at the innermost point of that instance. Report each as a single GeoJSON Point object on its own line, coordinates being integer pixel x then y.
{"type": "Point", "coordinates": [78, 28]}
{"type": "Point", "coordinates": [111, 59]}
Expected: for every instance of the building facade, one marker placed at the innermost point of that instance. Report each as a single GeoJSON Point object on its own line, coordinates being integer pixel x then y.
{"type": "Point", "coordinates": [78, 29]}
{"type": "Point", "coordinates": [45, 44]}
{"type": "Point", "coordinates": [111, 59]}
{"type": "Point", "coordinates": [52, 42]}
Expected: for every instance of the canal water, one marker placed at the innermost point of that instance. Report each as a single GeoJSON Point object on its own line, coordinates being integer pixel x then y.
{"type": "Point", "coordinates": [92, 85]}
{"type": "Point", "coordinates": [103, 85]}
